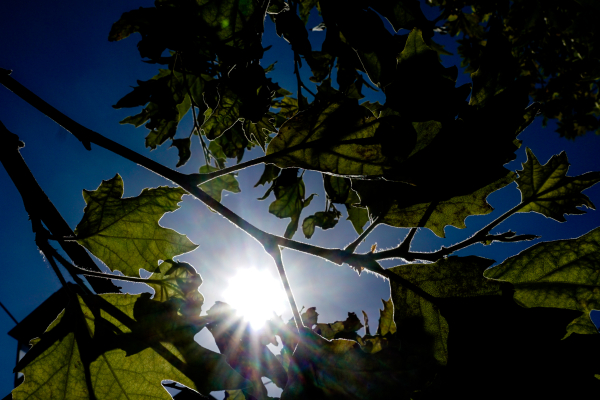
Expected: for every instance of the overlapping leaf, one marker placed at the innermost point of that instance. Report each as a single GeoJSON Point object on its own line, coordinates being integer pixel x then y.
{"type": "Point", "coordinates": [322, 219]}
{"type": "Point", "coordinates": [410, 206]}
{"type": "Point", "coordinates": [120, 346]}
{"type": "Point", "coordinates": [340, 329]}
{"type": "Point", "coordinates": [215, 186]}
{"type": "Point", "coordinates": [179, 282]}
{"type": "Point", "coordinates": [342, 139]}
{"type": "Point", "coordinates": [420, 322]}
{"type": "Point", "coordinates": [339, 191]}
{"type": "Point", "coordinates": [125, 233]}
{"type": "Point", "coordinates": [548, 190]}
{"type": "Point", "coordinates": [559, 274]}
{"type": "Point", "coordinates": [386, 318]}
{"type": "Point", "coordinates": [290, 199]}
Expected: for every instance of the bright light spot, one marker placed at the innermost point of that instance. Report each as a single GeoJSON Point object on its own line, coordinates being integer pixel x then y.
{"type": "Point", "coordinates": [255, 295]}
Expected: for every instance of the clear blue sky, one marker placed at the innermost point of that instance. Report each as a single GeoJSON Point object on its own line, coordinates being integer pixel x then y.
{"type": "Point", "coordinates": [60, 51]}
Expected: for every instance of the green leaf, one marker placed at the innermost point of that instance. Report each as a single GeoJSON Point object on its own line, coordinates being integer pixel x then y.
{"type": "Point", "coordinates": [231, 144]}
{"type": "Point", "coordinates": [183, 147]}
{"type": "Point", "coordinates": [411, 209]}
{"type": "Point", "coordinates": [386, 318]}
{"type": "Point", "coordinates": [339, 191]}
{"type": "Point", "coordinates": [305, 7]}
{"type": "Point", "coordinates": [404, 14]}
{"type": "Point", "coordinates": [559, 274]}
{"type": "Point", "coordinates": [224, 116]}
{"type": "Point", "coordinates": [214, 188]}
{"type": "Point", "coordinates": [131, 22]}
{"type": "Point", "coordinates": [105, 347]}
{"type": "Point", "coordinates": [258, 133]}
{"type": "Point", "coordinates": [342, 139]}
{"type": "Point", "coordinates": [178, 281]}
{"type": "Point", "coordinates": [548, 190]}
{"type": "Point", "coordinates": [420, 320]}
{"type": "Point", "coordinates": [340, 329]}
{"type": "Point", "coordinates": [322, 219]}
{"type": "Point", "coordinates": [125, 233]}
{"type": "Point", "coordinates": [289, 201]}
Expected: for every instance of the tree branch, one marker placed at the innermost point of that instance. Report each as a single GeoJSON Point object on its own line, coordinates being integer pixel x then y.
{"type": "Point", "coordinates": [352, 246]}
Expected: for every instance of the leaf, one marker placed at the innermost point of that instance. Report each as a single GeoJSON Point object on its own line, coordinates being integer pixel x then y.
{"type": "Point", "coordinates": [102, 347]}
{"type": "Point", "coordinates": [224, 116]}
{"type": "Point", "coordinates": [125, 233]}
{"type": "Point", "coordinates": [269, 174]}
{"type": "Point", "coordinates": [258, 133]}
{"type": "Point", "coordinates": [559, 274]}
{"type": "Point", "coordinates": [339, 191]}
{"type": "Point", "coordinates": [215, 186]}
{"type": "Point", "coordinates": [548, 190]}
{"type": "Point", "coordinates": [423, 89]}
{"type": "Point", "coordinates": [289, 199]}
{"type": "Point", "coordinates": [340, 369]}
{"type": "Point", "coordinates": [341, 139]}
{"type": "Point", "coordinates": [183, 147]}
{"type": "Point", "coordinates": [322, 219]}
{"type": "Point", "coordinates": [404, 14]}
{"type": "Point", "coordinates": [386, 318]}
{"type": "Point", "coordinates": [421, 325]}
{"type": "Point", "coordinates": [231, 144]}
{"type": "Point", "coordinates": [305, 7]}
{"type": "Point", "coordinates": [167, 96]}
{"type": "Point", "coordinates": [244, 350]}
{"type": "Point", "coordinates": [409, 208]}
{"type": "Point", "coordinates": [178, 281]}
{"type": "Point", "coordinates": [340, 329]}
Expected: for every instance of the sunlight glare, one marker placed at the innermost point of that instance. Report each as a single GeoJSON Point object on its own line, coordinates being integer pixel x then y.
{"type": "Point", "coordinates": [255, 295]}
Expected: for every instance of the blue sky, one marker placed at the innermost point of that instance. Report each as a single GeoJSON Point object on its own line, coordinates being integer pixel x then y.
{"type": "Point", "coordinates": [60, 51]}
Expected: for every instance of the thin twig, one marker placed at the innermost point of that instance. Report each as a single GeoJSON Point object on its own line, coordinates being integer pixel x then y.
{"type": "Point", "coordinates": [352, 246]}
{"type": "Point", "coordinates": [275, 252]}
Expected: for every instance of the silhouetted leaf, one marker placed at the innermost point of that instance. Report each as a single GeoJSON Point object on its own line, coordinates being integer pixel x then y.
{"type": "Point", "coordinates": [340, 329]}
{"type": "Point", "coordinates": [269, 174]}
{"type": "Point", "coordinates": [215, 186]}
{"type": "Point", "coordinates": [559, 274]}
{"type": "Point", "coordinates": [406, 209]}
{"type": "Point", "coordinates": [417, 318]}
{"type": "Point", "coordinates": [548, 190]}
{"type": "Point", "coordinates": [124, 233]}
{"type": "Point", "coordinates": [339, 191]}
{"type": "Point", "coordinates": [322, 219]}
{"type": "Point", "coordinates": [231, 144]}
{"type": "Point", "coordinates": [183, 147]}
{"type": "Point", "coordinates": [290, 199]}
{"type": "Point", "coordinates": [403, 14]}
{"type": "Point", "coordinates": [223, 116]}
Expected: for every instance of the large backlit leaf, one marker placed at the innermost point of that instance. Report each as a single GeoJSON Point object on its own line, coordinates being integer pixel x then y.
{"type": "Point", "coordinates": [125, 233]}
{"type": "Point", "coordinates": [420, 321]}
{"type": "Point", "coordinates": [215, 186]}
{"type": "Point", "coordinates": [559, 274]}
{"type": "Point", "coordinates": [341, 139]}
{"type": "Point", "coordinates": [548, 190]}
{"type": "Point", "coordinates": [105, 347]}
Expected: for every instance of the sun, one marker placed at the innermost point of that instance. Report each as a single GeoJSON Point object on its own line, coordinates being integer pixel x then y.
{"type": "Point", "coordinates": [256, 295]}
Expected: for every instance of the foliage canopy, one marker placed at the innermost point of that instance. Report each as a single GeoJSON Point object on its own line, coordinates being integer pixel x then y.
{"type": "Point", "coordinates": [426, 158]}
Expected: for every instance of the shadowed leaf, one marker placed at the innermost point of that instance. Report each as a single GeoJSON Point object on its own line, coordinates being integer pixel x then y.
{"type": "Point", "coordinates": [548, 190]}
{"type": "Point", "coordinates": [386, 318]}
{"type": "Point", "coordinates": [420, 321]}
{"type": "Point", "coordinates": [215, 186]}
{"type": "Point", "coordinates": [322, 219]}
{"type": "Point", "coordinates": [559, 274]}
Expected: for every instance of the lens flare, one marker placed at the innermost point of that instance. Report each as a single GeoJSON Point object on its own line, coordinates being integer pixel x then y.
{"type": "Point", "coordinates": [255, 294]}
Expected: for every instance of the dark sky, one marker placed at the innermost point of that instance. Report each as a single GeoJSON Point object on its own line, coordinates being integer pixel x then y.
{"type": "Point", "coordinates": [60, 51]}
